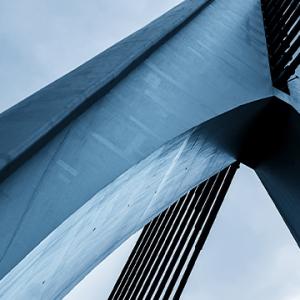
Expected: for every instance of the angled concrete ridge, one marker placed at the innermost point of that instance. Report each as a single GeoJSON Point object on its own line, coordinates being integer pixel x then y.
{"type": "Point", "coordinates": [63, 100]}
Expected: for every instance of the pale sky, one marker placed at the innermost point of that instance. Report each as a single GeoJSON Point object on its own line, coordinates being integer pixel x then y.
{"type": "Point", "coordinates": [250, 254]}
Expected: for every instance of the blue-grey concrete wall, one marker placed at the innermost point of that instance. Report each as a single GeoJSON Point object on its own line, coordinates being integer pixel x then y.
{"type": "Point", "coordinates": [113, 165]}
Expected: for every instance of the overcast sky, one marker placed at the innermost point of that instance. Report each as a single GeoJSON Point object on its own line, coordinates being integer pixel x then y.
{"type": "Point", "coordinates": [250, 253]}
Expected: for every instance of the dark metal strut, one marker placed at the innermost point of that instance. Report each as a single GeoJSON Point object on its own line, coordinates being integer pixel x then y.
{"type": "Point", "coordinates": [282, 25]}
{"type": "Point", "coordinates": [166, 251]}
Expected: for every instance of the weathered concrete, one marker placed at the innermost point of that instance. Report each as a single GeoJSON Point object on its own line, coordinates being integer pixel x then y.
{"type": "Point", "coordinates": [104, 146]}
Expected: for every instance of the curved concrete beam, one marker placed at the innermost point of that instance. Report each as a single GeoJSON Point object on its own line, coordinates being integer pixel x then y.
{"type": "Point", "coordinates": [121, 208]}
{"type": "Point", "coordinates": [132, 112]}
